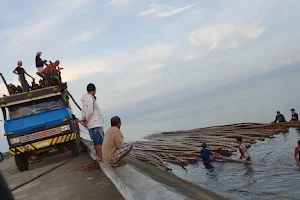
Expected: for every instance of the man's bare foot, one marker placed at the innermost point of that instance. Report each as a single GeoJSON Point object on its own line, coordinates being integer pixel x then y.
{"type": "Point", "coordinates": [118, 164]}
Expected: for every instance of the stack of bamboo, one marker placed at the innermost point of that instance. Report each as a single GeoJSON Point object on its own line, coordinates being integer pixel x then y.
{"type": "Point", "coordinates": [183, 147]}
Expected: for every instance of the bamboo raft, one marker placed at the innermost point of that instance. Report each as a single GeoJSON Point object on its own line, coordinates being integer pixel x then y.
{"type": "Point", "coordinates": [183, 147]}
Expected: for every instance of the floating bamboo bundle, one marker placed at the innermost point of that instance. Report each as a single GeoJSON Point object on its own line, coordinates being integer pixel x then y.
{"type": "Point", "coordinates": [183, 147]}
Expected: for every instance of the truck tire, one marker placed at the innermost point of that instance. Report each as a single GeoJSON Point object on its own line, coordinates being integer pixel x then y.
{"type": "Point", "coordinates": [22, 162]}
{"type": "Point", "coordinates": [74, 148]}
{"type": "Point", "coordinates": [1, 157]}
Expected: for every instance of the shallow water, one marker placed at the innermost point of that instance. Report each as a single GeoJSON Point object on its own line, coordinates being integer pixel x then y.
{"type": "Point", "coordinates": [244, 181]}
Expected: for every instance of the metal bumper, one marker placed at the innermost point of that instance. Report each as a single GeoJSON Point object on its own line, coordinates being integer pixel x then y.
{"type": "Point", "coordinates": [42, 144]}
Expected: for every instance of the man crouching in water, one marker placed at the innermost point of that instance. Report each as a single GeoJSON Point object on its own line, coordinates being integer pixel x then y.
{"type": "Point", "coordinates": [244, 154]}
{"type": "Point", "coordinates": [114, 149]}
{"type": "Point", "coordinates": [208, 156]}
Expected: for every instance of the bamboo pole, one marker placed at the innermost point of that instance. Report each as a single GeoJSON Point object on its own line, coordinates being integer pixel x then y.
{"type": "Point", "coordinates": [73, 99]}
{"type": "Point", "coordinates": [6, 85]}
{"type": "Point", "coordinates": [260, 163]}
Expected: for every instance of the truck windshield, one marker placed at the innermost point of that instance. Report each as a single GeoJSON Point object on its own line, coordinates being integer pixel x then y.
{"type": "Point", "coordinates": [35, 107]}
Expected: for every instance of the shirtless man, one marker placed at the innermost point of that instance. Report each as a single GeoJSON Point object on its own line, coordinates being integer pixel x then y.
{"type": "Point", "coordinates": [297, 153]}
{"type": "Point", "coordinates": [245, 156]}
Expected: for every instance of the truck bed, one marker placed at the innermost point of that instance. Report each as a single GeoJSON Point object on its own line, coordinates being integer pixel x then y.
{"type": "Point", "coordinates": [31, 95]}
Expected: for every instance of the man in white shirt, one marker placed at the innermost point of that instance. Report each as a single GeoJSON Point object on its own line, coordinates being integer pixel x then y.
{"type": "Point", "coordinates": [92, 118]}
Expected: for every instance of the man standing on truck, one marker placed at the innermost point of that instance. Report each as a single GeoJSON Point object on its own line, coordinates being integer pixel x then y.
{"type": "Point", "coordinates": [92, 118]}
{"type": "Point", "coordinates": [54, 65]}
{"type": "Point", "coordinates": [39, 63]}
{"type": "Point", "coordinates": [20, 71]}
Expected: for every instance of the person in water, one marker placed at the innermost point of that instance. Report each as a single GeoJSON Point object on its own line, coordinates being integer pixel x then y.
{"type": "Point", "coordinates": [294, 116]}
{"type": "Point", "coordinates": [207, 156]}
{"type": "Point", "coordinates": [279, 117]}
{"type": "Point", "coordinates": [297, 153]}
{"type": "Point", "coordinates": [244, 154]}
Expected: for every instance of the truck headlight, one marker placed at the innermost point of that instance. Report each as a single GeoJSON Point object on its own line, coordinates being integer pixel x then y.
{"type": "Point", "coordinates": [65, 128]}
{"type": "Point", "coordinates": [15, 140]}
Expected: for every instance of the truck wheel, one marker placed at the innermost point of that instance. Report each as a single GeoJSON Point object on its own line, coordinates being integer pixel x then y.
{"type": "Point", "coordinates": [22, 162]}
{"type": "Point", "coordinates": [1, 157]}
{"type": "Point", "coordinates": [74, 148]}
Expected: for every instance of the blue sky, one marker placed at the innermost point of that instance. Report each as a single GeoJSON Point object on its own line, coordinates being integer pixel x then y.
{"type": "Point", "coordinates": [137, 50]}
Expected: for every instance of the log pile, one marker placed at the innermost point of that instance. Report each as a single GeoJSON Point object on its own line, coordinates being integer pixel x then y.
{"type": "Point", "coordinates": [183, 147]}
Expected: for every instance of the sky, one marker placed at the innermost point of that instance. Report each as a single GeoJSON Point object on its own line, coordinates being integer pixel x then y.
{"type": "Point", "coordinates": [135, 51]}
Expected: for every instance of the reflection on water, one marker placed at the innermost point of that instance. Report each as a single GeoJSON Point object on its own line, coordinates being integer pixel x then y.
{"type": "Point", "coordinates": [244, 181]}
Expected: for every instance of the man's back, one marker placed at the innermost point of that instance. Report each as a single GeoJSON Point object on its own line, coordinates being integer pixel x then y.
{"type": "Point", "coordinates": [91, 111]}
{"type": "Point", "coordinates": [295, 117]}
{"type": "Point", "coordinates": [205, 154]}
{"type": "Point", "coordinates": [113, 140]}
{"type": "Point", "coordinates": [281, 118]}
{"type": "Point", "coordinates": [38, 62]}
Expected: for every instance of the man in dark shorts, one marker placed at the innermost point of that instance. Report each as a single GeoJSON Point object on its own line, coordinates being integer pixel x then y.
{"type": "Point", "coordinates": [294, 116]}
{"type": "Point", "coordinates": [279, 117]}
{"type": "Point", "coordinates": [20, 71]}
{"type": "Point", "coordinates": [92, 118]}
{"type": "Point", "coordinates": [245, 156]}
{"type": "Point", "coordinates": [297, 153]}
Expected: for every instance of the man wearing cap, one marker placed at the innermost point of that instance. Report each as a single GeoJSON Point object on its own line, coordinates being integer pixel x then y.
{"type": "Point", "coordinates": [294, 116]}
{"type": "Point", "coordinates": [20, 71]}
{"type": "Point", "coordinates": [92, 118]}
{"type": "Point", "coordinates": [39, 63]}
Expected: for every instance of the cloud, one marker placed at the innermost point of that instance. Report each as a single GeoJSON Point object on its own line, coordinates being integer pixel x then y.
{"type": "Point", "coordinates": [83, 36]}
{"type": "Point", "coordinates": [173, 11]}
{"type": "Point", "coordinates": [148, 53]}
{"type": "Point", "coordinates": [120, 2]}
{"type": "Point", "coordinates": [146, 80]}
{"type": "Point", "coordinates": [81, 68]}
{"type": "Point", "coordinates": [149, 12]}
{"type": "Point", "coordinates": [78, 69]}
{"type": "Point", "coordinates": [161, 11]}
{"type": "Point", "coordinates": [40, 28]}
{"type": "Point", "coordinates": [231, 45]}
{"type": "Point", "coordinates": [155, 66]}
{"type": "Point", "coordinates": [213, 35]}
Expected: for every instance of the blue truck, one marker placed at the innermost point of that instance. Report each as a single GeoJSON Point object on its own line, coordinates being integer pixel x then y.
{"type": "Point", "coordinates": [39, 121]}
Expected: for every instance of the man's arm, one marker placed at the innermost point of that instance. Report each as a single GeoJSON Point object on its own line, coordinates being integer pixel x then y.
{"type": "Point", "coordinates": [15, 72]}
{"type": "Point", "coordinates": [89, 108]}
{"type": "Point", "coordinates": [119, 140]}
{"type": "Point", "coordinates": [275, 119]}
{"type": "Point", "coordinates": [296, 156]}
{"type": "Point", "coordinates": [245, 154]}
{"type": "Point", "coordinates": [29, 75]}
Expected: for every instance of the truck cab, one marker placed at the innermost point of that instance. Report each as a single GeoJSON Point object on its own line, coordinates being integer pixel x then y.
{"type": "Point", "coordinates": [39, 121]}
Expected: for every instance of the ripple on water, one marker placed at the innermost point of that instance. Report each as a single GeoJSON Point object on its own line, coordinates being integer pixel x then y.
{"type": "Point", "coordinates": [242, 181]}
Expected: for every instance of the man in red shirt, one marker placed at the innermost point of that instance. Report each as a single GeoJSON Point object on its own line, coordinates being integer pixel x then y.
{"type": "Point", "coordinates": [49, 68]}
